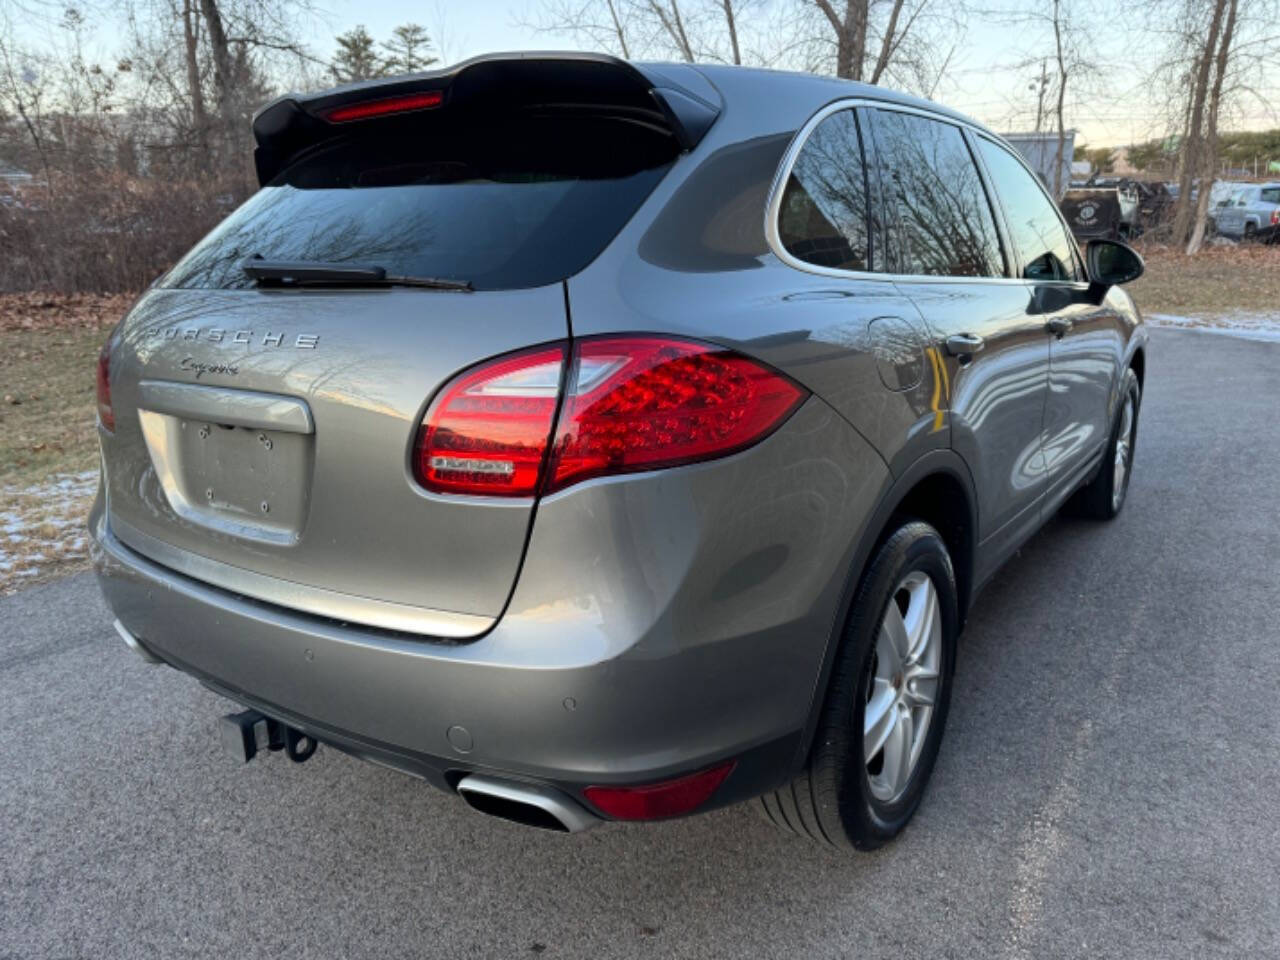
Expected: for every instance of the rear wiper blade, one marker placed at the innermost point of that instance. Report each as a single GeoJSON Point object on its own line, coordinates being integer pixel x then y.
{"type": "Point", "coordinates": [321, 273]}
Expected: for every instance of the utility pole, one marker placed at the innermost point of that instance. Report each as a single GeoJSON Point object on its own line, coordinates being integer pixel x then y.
{"type": "Point", "coordinates": [1041, 86]}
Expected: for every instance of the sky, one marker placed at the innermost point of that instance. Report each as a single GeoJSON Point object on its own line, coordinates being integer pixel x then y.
{"type": "Point", "coordinates": [1112, 108]}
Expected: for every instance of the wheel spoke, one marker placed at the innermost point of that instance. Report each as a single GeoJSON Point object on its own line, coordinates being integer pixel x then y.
{"type": "Point", "coordinates": [894, 636]}
{"type": "Point", "coordinates": [921, 620]}
{"type": "Point", "coordinates": [1126, 420]}
{"type": "Point", "coordinates": [880, 717]}
{"type": "Point", "coordinates": [921, 687]}
{"type": "Point", "coordinates": [897, 751]}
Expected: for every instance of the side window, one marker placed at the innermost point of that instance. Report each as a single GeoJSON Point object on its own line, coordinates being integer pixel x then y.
{"type": "Point", "coordinates": [937, 209]}
{"type": "Point", "coordinates": [823, 216]}
{"type": "Point", "coordinates": [1047, 250]}
{"type": "Point", "coordinates": [1271, 194]}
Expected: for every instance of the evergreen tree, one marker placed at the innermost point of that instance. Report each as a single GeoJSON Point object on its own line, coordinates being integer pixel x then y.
{"type": "Point", "coordinates": [356, 58]}
{"type": "Point", "coordinates": [409, 49]}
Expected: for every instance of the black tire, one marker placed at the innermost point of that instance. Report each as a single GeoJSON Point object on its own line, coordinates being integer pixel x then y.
{"type": "Point", "coordinates": [1097, 499]}
{"type": "Point", "coordinates": [831, 800]}
{"type": "Point", "coordinates": [1250, 233]}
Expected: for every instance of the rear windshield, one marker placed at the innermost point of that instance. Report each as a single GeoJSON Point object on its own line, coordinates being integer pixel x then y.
{"type": "Point", "coordinates": [506, 205]}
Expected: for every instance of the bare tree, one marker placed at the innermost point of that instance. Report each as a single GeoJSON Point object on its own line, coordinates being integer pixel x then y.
{"type": "Point", "coordinates": [1066, 67]}
{"type": "Point", "coordinates": [667, 14]}
{"type": "Point", "coordinates": [1193, 154]}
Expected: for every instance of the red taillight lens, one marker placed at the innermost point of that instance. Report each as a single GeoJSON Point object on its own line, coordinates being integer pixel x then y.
{"type": "Point", "coordinates": [1275, 217]}
{"type": "Point", "coordinates": [631, 403]}
{"type": "Point", "coordinates": [387, 105]}
{"type": "Point", "coordinates": [658, 800]}
{"type": "Point", "coordinates": [639, 403]}
{"type": "Point", "coordinates": [105, 414]}
{"type": "Point", "coordinates": [487, 432]}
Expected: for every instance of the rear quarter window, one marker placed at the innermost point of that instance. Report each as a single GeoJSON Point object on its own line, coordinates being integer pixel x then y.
{"type": "Point", "coordinates": [823, 216]}
{"type": "Point", "coordinates": [504, 206]}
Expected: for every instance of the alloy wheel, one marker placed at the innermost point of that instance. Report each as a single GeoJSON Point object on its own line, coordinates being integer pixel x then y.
{"type": "Point", "coordinates": [1124, 453]}
{"type": "Point", "coordinates": [902, 686]}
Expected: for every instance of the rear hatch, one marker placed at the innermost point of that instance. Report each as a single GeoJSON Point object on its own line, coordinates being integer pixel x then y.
{"type": "Point", "coordinates": [264, 426]}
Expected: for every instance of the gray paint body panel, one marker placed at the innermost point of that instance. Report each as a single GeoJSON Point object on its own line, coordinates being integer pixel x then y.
{"type": "Point", "coordinates": [368, 530]}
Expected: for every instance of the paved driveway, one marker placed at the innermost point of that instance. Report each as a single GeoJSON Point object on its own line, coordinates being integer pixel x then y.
{"type": "Point", "coordinates": [1109, 785]}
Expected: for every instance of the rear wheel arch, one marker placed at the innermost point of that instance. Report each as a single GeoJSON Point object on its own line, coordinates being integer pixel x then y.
{"type": "Point", "coordinates": [1138, 363]}
{"type": "Point", "coordinates": [937, 489]}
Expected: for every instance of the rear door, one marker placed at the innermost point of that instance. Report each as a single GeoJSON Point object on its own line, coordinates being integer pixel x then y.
{"type": "Point", "coordinates": [946, 251]}
{"type": "Point", "coordinates": [1231, 219]}
{"type": "Point", "coordinates": [1085, 339]}
{"type": "Point", "coordinates": [264, 434]}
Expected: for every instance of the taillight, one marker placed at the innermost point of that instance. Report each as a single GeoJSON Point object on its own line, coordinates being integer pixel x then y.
{"type": "Point", "coordinates": [105, 414]}
{"type": "Point", "coordinates": [488, 430]}
{"type": "Point", "coordinates": [640, 403]}
{"type": "Point", "coordinates": [631, 403]}
{"type": "Point", "coordinates": [385, 106]}
{"type": "Point", "coordinates": [659, 800]}
{"type": "Point", "coordinates": [1275, 216]}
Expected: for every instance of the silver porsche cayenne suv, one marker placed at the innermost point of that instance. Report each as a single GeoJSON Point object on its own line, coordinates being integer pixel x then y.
{"type": "Point", "coordinates": [609, 441]}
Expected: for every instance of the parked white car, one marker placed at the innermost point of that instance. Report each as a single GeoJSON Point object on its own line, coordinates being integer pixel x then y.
{"type": "Point", "coordinates": [1250, 213]}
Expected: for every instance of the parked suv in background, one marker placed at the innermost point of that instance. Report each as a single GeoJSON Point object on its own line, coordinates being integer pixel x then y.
{"type": "Point", "coordinates": [1250, 213]}
{"type": "Point", "coordinates": [609, 441]}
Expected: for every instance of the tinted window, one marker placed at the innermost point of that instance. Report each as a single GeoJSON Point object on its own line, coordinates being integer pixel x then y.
{"type": "Point", "coordinates": [823, 218]}
{"type": "Point", "coordinates": [505, 206]}
{"type": "Point", "coordinates": [1047, 250]}
{"type": "Point", "coordinates": [938, 213]}
{"type": "Point", "coordinates": [1271, 194]}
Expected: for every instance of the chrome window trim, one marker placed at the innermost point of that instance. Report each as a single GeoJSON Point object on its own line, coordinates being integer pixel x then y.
{"type": "Point", "coordinates": [774, 206]}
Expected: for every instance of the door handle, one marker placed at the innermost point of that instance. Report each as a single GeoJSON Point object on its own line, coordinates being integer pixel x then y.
{"type": "Point", "coordinates": [964, 344]}
{"type": "Point", "coordinates": [1058, 326]}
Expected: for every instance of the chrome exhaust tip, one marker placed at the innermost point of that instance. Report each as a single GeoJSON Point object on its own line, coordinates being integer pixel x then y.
{"type": "Point", "coordinates": [525, 803]}
{"type": "Point", "coordinates": [135, 646]}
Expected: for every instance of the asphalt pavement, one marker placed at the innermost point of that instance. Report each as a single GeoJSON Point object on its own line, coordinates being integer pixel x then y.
{"type": "Point", "coordinates": [1109, 785]}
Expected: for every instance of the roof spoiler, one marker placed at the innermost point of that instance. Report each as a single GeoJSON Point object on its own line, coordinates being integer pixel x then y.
{"type": "Point", "coordinates": [294, 123]}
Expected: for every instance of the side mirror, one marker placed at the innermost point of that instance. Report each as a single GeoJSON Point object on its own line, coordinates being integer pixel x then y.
{"type": "Point", "coordinates": [1112, 263]}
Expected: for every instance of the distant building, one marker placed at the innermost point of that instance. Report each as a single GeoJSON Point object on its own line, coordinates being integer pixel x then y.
{"type": "Point", "coordinates": [1040, 150]}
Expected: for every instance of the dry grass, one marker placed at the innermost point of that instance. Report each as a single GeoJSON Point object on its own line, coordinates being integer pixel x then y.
{"type": "Point", "coordinates": [48, 438]}
{"type": "Point", "coordinates": [1218, 280]}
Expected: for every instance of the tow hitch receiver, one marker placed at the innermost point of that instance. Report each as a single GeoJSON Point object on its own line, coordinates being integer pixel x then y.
{"type": "Point", "coordinates": [246, 734]}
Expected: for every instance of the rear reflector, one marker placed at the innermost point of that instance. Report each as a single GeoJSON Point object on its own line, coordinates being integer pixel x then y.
{"type": "Point", "coordinates": [488, 430]}
{"type": "Point", "coordinates": [658, 800]}
{"type": "Point", "coordinates": [387, 105]}
{"type": "Point", "coordinates": [631, 403]}
{"type": "Point", "coordinates": [105, 413]}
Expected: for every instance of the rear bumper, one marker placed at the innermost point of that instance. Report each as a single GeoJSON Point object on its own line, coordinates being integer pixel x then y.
{"type": "Point", "coordinates": [662, 623]}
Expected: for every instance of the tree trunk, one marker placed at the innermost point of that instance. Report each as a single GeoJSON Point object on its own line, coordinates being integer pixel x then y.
{"type": "Point", "coordinates": [731, 22]}
{"type": "Point", "coordinates": [617, 27]}
{"type": "Point", "coordinates": [1210, 148]}
{"type": "Point", "coordinates": [199, 115]}
{"type": "Point", "coordinates": [889, 43]}
{"type": "Point", "coordinates": [221, 51]}
{"type": "Point", "coordinates": [1062, 96]}
{"type": "Point", "coordinates": [1191, 144]}
{"type": "Point", "coordinates": [851, 36]}
{"type": "Point", "coordinates": [673, 24]}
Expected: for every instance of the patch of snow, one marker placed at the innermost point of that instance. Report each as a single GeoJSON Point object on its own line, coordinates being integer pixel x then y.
{"type": "Point", "coordinates": [1239, 323]}
{"type": "Point", "coordinates": [47, 518]}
